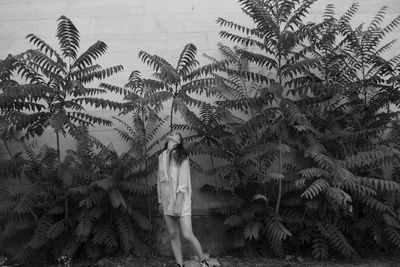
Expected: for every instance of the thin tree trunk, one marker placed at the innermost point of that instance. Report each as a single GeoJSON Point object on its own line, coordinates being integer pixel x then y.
{"type": "Point", "coordinates": [212, 163]}
{"type": "Point", "coordinates": [58, 147]}
{"type": "Point", "coordinates": [145, 162]}
{"type": "Point", "coordinates": [278, 201]}
{"type": "Point", "coordinates": [172, 114]}
{"type": "Point", "coordinates": [213, 167]}
{"type": "Point", "coordinates": [66, 209]}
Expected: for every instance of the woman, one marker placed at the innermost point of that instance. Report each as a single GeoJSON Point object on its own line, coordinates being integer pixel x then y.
{"type": "Point", "coordinates": [174, 191]}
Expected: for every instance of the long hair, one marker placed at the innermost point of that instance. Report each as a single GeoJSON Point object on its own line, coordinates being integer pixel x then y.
{"type": "Point", "coordinates": [179, 153]}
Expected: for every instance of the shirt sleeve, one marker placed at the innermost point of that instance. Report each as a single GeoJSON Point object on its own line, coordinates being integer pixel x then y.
{"type": "Point", "coordinates": [183, 176]}
{"type": "Point", "coordinates": [158, 182]}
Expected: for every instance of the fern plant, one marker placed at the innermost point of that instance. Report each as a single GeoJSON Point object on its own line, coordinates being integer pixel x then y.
{"type": "Point", "coordinates": [104, 205]}
{"type": "Point", "coordinates": [205, 133]}
{"type": "Point", "coordinates": [142, 105]}
{"type": "Point", "coordinates": [274, 124]}
{"type": "Point", "coordinates": [305, 131]}
{"type": "Point", "coordinates": [8, 67]}
{"type": "Point", "coordinates": [346, 151]}
{"type": "Point", "coordinates": [278, 33]}
{"type": "Point", "coordinates": [181, 81]}
{"type": "Point", "coordinates": [58, 85]}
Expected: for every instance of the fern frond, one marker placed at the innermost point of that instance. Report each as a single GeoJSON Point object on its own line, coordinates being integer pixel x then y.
{"type": "Point", "coordinates": [367, 158]}
{"type": "Point", "coordinates": [315, 188]}
{"type": "Point", "coordinates": [68, 37]}
{"type": "Point", "coordinates": [117, 199]}
{"type": "Point", "coordinates": [276, 232]}
{"type": "Point", "coordinates": [86, 119]}
{"type": "Point", "coordinates": [105, 183]}
{"type": "Point", "coordinates": [251, 230]}
{"type": "Point", "coordinates": [140, 220]}
{"type": "Point", "coordinates": [378, 18]}
{"type": "Point", "coordinates": [92, 53]}
{"type": "Point", "coordinates": [337, 240]}
{"type": "Point", "coordinates": [104, 235]}
{"type": "Point", "coordinates": [187, 60]}
{"type": "Point", "coordinates": [84, 228]}
{"type": "Point", "coordinates": [115, 89]}
{"type": "Point", "coordinates": [248, 31]}
{"type": "Point", "coordinates": [313, 173]}
{"type": "Point", "coordinates": [339, 197]}
{"type": "Point", "coordinates": [44, 47]}
{"type": "Point", "coordinates": [98, 103]}
{"type": "Point", "coordinates": [26, 203]}
{"type": "Point", "coordinates": [88, 74]}
{"type": "Point", "coordinates": [260, 59]}
{"type": "Point", "coordinates": [7, 67]}
{"type": "Point", "coordinates": [376, 204]}
{"type": "Point", "coordinates": [135, 188]}
{"type": "Point", "coordinates": [297, 16]}
{"type": "Point", "coordinates": [39, 61]}
{"type": "Point", "coordinates": [393, 235]}
{"type": "Point", "coordinates": [391, 221]}
{"type": "Point", "coordinates": [349, 14]}
{"type": "Point", "coordinates": [93, 199]}
{"type": "Point", "coordinates": [320, 248]}
{"type": "Point", "coordinates": [39, 237]}
{"type": "Point", "coordinates": [155, 62]}
{"type": "Point", "coordinates": [56, 230]}
{"type": "Point", "coordinates": [198, 86]}
{"type": "Point", "coordinates": [70, 248]}
{"type": "Point", "coordinates": [378, 184]}
{"type": "Point", "coordinates": [244, 41]}
{"type": "Point", "coordinates": [125, 229]}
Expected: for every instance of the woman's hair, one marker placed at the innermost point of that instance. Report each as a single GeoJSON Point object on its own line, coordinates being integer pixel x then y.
{"type": "Point", "coordinates": [179, 153]}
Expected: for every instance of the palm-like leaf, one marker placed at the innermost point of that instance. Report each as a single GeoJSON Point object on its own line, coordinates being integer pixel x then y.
{"type": "Point", "coordinates": [68, 37]}
{"type": "Point", "coordinates": [58, 83]}
{"type": "Point", "coordinates": [179, 81]}
{"type": "Point", "coordinates": [95, 184]}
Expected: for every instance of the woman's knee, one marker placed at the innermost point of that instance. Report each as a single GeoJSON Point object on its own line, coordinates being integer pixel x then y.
{"type": "Point", "coordinates": [173, 234]}
{"type": "Point", "coordinates": [187, 235]}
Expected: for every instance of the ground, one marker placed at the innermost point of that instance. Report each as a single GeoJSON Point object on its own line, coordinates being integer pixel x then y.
{"type": "Point", "coordinates": [234, 261]}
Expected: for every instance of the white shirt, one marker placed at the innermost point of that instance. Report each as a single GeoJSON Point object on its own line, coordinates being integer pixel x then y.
{"type": "Point", "coordinates": [172, 179]}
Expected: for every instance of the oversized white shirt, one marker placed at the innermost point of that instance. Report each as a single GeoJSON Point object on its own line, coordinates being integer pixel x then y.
{"type": "Point", "coordinates": [172, 179]}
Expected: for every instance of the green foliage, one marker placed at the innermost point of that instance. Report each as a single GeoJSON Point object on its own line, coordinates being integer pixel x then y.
{"type": "Point", "coordinates": [178, 83]}
{"type": "Point", "coordinates": [141, 104]}
{"type": "Point", "coordinates": [103, 212]}
{"type": "Point", "coordinates": [308, 163]}
{"type": "Point", "coordinates": [57, 86]}
{"type": "Point", "coordinates": [303, 138]}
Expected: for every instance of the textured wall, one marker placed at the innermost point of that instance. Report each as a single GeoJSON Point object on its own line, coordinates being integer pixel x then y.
{"type": "Point", "coordinates": [162, 27]}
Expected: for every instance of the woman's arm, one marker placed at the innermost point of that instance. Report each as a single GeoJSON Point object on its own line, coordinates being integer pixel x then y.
{"type": "Point", "coordinates": [183, 176]}
{"type": "Point", "coordinates": [158, 182]}
{"type": "Point", "coordinates": [183, 180]}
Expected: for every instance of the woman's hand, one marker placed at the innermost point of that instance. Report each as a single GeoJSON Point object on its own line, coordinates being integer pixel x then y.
{"type": "Point", "coordinates": [160, 208]}
{"type": "Point", "coordinates": [178, 204]}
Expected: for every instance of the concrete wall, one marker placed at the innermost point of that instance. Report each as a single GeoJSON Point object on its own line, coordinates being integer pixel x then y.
{"type": "Point", "coordinates": [162, 27]}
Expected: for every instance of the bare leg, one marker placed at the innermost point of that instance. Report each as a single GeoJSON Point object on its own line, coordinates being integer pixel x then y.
{"type": "Point", "coordinates": [173, 230]}
{"type": "Point", "coordinates": [187, 233]}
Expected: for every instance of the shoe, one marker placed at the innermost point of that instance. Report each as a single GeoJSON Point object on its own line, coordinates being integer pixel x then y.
{"type": "Point", "coordinates": [204, 263]}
